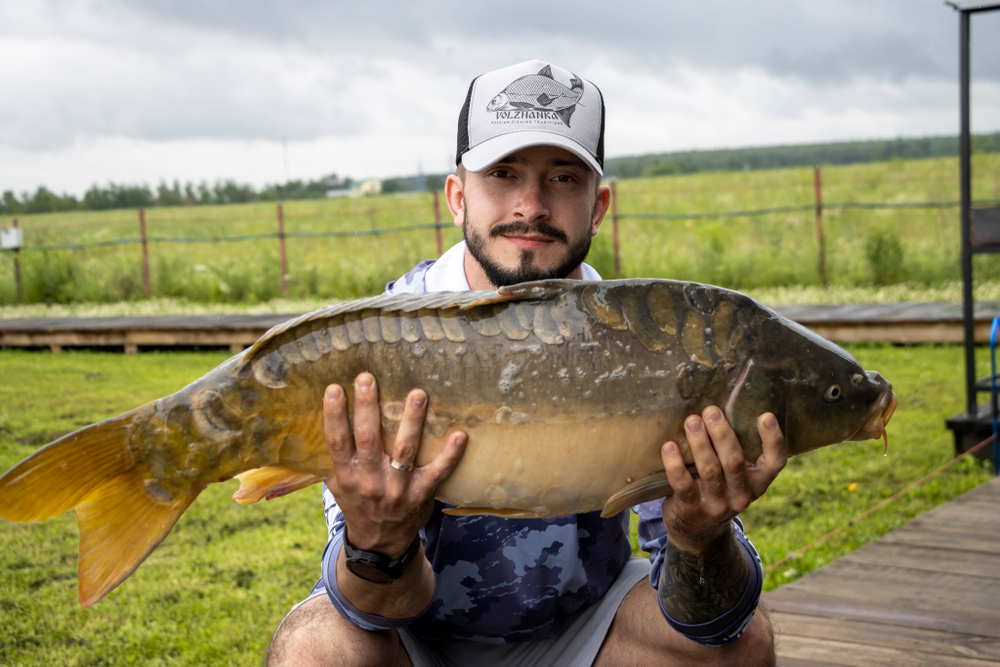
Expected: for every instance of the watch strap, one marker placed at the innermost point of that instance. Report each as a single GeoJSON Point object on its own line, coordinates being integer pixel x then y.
{"type": "Point", "coordinates": [358, 560]}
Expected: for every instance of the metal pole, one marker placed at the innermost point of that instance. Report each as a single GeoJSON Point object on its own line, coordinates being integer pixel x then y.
{"type": "Point", "coordinates": [614, 227]}
{"type": "Point", "coordinates": [820, 244]}
{"type": "Point", "coordinates": [437, 224]}
{"type": "Point", "coordinates": [284, 257]}
{"type": "Point", "coordinates": [964, 159]}
{"type": "Point", "coordinates": [145, 253]}
{"type": "Point", "coordinates": [17, 270]}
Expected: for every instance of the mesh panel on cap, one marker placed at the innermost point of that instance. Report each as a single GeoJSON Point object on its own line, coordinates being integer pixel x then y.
{"type": "Point", "coordinates": [463, 125]}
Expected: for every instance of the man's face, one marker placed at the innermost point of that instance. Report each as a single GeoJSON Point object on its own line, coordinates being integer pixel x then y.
{"type": "Point", "coordinates": [532, 215]}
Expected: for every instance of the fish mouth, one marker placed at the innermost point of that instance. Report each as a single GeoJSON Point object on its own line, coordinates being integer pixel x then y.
{"type": "Point", "coordinates": [874, 427]}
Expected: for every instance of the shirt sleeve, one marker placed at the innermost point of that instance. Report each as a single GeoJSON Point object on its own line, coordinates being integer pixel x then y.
{"type": "Point", "coordinates": [335, 527]}
{"type": "Point", "coordinates": [729, 626]}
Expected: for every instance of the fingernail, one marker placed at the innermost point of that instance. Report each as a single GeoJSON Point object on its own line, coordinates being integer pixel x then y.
{"type": "Point", "coordinates": [670, 449]}
{"type": "Point", "coordinates": [364, 383]}
{"type": "Point", "coordinates": [333, 393]}
{"type": "Point", "coordinates": [712, 415]}
{"type": "Point", "coordinates": [418, 401]}
{"type": "Point", "coordinates": [694, 425]}
{"type": "Point", "coordinates": [769, 421]}
{"type": "Point", "coordinates": [462, 437]}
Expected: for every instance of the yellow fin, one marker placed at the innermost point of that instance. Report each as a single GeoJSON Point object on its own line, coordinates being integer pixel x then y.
{"type": "Point", "coordinates": [58, 476]}
{"type": "Point", "coordinates": [271, 482]}
{"type": "Point", "coordinates": [648, 488]}
{"type": "Point", "coordinates": [121, 522]}
{"type": "Point", "coordinates": [505, 513]}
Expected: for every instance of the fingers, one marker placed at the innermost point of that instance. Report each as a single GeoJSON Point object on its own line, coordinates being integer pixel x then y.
{"type": "Point", "coordinates": [404, 450]}
{"type": "Point", "coordinates": [684, 485]}
{"type": "Point", "coordinates": [429, 477]}
{"type": "Point", "coordinates": [774, 458]}
{"type": "Point", "coordinates": [736, 481]}
{"type": "Point", "coordinates": [336, 428]}
{"type": "Point", "coordinates": [367, 423]}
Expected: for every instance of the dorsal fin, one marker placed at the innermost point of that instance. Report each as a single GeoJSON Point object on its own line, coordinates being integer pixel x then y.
{"type": "Point", "coordinates": [546, 71]}
{"type": "Point", "coordinates": [407, 303]}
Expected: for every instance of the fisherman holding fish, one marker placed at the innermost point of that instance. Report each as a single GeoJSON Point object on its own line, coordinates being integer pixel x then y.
{"type": "Point", "coordinates": [406, 584]}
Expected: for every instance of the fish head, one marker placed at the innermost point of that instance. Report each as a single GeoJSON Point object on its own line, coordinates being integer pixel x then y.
{"type": "Point", "coordinates": [818, 391]}
{"type": "Point", "coordinates": [829, 403]}
{"type": "Point", "coordinates": [498, 102]}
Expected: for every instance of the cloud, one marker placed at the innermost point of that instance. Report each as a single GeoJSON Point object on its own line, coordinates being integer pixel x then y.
{"type": "Point", "coordinates": [211, 88]}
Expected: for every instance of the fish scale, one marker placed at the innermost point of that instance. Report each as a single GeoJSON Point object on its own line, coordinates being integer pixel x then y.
{"type": "Point", "coordinates": [566, 389]}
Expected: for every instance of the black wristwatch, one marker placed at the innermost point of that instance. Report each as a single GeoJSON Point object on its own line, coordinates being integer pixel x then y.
{"type": "Point", "coordinates": [375, 567]}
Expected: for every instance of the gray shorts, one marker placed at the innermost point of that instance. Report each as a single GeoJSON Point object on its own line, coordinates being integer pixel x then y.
{"type": "Point", "coordinates": [577, 643]}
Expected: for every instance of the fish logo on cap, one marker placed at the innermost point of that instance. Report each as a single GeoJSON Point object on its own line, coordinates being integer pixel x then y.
{"type": "Point", "coordinates": [538, 96]}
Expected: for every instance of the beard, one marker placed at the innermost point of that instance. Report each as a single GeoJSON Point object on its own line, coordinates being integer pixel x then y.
{"type": "Point", "coordinates": [525, 271]}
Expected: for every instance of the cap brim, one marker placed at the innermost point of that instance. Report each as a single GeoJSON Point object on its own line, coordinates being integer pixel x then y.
{"type": "Point", "coordinates": [493, 150]}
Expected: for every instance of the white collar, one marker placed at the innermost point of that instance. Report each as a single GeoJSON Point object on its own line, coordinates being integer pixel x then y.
{"type": "Point", "coordinates": [448, 273]}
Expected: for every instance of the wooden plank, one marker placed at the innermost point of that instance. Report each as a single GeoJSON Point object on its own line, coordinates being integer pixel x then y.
{"type": "Point", "coordinates": [921, 557]}
{"type": "Point", "coordinates": [863, 655]}
{"type": "Point", "coordinates": [797, 662]}
{"type": "Point", "coordinates": [934, 538]}
{"type": "Point", "coordinates": [908, 588]}
{"type": "Point", "coordinates": [887, 613]}
{"type": "Point", "coordinates": [891, 636]}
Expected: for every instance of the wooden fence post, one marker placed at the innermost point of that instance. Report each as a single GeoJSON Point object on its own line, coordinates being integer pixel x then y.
{"type": "Point", "coordinates": [821, 246]}
{"type": "Point", "coordinates": [614, 227]}
{"type": "Point", "coordinates": [145, 254]}
{"type": "Point", "coordinates": [284, 257]}
{"type": "Point", "coordinates": [437, 224]}
{"type": "Point", "coordinates": [17, 271]}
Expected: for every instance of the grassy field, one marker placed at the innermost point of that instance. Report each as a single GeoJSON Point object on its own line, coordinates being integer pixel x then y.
{"type": "Point", "coordinates": [863, 246]}
{"type": "Point", "coordinates": [216, 588]}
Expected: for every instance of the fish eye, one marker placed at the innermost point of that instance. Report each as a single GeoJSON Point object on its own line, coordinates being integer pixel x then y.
{"type": "Point", "coordinates": [833, 393]}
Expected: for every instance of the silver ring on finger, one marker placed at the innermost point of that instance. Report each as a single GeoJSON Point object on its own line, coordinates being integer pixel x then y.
{"type": "Point", "coordinates": [401, 467]}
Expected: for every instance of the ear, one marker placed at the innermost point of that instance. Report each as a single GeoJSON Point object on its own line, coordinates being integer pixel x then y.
{"type": "Point", "coordinates": [454, 194]}
{"type": "Point", "coordinates": [601, 205]}
{"type": "Point", "coordinates": [758, 389]}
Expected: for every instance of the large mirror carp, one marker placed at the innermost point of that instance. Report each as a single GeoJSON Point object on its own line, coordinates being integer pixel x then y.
{"type": "Point", "coordinates": [567, 391]}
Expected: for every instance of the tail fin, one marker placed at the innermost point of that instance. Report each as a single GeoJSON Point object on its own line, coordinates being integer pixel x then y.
{"type": "Point", "coordinates": [91, 471]}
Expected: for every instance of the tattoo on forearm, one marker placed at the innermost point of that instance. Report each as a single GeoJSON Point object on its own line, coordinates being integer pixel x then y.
{"type": "Point", "coordinates": [695, 588]}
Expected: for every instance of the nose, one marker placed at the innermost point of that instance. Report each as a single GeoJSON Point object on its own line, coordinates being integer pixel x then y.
{"type": "Point", "coordinates": [532, 201]}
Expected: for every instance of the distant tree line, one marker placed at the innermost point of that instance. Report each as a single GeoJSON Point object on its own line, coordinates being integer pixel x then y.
{"type": "Point", "coordinates": [660, 164]}
{"type": "Point", "coordinates": [778, 157]}
{"type": "Point", "coordinates": [115, 195]}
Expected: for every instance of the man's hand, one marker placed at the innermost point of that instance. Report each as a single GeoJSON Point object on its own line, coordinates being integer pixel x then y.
{"type": "Point", "coordinates": [704, 570]}
{"type": "Point", "coordinates": [384, 508]}
{"type": "Point", "coordinates": [699, 511]}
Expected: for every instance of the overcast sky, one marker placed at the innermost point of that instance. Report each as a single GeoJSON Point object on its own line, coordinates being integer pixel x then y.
{"type": "Point", "coordinates": [111, 90]}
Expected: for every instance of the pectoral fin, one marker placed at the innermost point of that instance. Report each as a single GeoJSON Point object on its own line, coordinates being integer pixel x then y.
{"type": "Point", "coordinates": [271, 482]}
{"type": "Point", "coordinates": [505, 513]}
{"type": "Point", "coordinates": [653, 487]}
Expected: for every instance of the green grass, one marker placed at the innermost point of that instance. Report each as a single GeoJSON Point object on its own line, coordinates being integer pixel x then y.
{"type": "Point", "coordinates": [775, 250]}
{"type": "Point", "coordinates": [217, 587]}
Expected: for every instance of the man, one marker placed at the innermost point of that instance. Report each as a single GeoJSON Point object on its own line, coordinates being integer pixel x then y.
{"type": "Point", "coordinates": [404, 584]}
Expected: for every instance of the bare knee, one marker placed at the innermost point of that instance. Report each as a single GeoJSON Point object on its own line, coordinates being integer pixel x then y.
{"type": "Point", "coordinates": [315, 635]}
{"type": "Point", "coordinates": [755, 647]}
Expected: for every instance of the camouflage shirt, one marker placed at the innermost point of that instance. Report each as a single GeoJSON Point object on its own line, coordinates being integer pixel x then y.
{"type": "Point", "coordinates": [504, 580]}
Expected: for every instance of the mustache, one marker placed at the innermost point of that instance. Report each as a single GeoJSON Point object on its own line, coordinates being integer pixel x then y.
{"type": "Point", "coordinates": [517, 227]}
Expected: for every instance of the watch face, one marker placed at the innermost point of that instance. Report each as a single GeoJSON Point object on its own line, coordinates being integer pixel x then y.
{"type": "Point", "coordinates": [369, 572]}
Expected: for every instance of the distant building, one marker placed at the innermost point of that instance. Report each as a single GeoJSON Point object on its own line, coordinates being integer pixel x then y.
{"type": "Point", "coordinates": [369, 186]}
{"type": "Point", "coordinates": [346, 192]}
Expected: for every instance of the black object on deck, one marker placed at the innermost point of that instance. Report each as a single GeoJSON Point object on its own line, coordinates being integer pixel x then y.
{"type": "Point", "coordinates": [980, 234]}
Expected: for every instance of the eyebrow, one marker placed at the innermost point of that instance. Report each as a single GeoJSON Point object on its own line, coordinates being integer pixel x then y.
{"type": "Point", "coordinates": [558, 162]}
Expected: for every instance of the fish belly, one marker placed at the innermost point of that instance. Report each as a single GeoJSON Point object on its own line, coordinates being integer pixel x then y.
{"type": "Point", "coordinates": [556, 468]}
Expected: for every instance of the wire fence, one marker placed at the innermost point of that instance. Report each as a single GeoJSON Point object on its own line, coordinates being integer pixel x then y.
{"type": "Point", "coordinates": [639, 195]}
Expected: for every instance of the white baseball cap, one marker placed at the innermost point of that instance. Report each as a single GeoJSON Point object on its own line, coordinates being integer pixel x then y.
{"type": "Point", "coordinates": [531, 104]}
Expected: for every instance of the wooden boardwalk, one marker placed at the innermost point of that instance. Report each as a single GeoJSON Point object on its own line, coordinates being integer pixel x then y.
{"type": "Point", "coordinates": [924, 595]}
{"type": "Point", "coordinates": [894, 323]}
